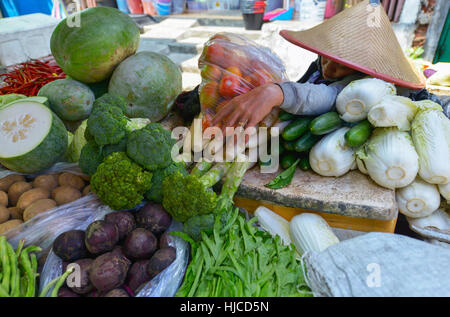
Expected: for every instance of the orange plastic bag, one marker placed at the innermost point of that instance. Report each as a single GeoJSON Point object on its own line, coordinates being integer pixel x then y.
{"type": "Point", "coordinates": [232, 65]}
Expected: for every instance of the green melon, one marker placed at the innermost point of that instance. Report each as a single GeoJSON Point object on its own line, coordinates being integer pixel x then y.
{"type": "Point", "coordinates": [89, 53]}
{"type": "Point", "coordinates": [150, 83]}
{"type": "Point", "coordinates": [33, 138]}
{"type": "Point", "coordinates": [69, 99]}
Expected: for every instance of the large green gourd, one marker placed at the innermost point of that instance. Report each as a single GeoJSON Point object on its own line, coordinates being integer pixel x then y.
{"type": "Point", "coordinates": [89, 53]}
{"type": "Point", "coordinates": [149, 82]}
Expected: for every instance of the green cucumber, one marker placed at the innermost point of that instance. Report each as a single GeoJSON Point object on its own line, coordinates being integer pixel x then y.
{"type": "Point", "coordinates": [304, 163]}
{"type": "Point", "coordinates": [285, 116]}
{"type": "Point", "coordinates": [296, 128]}
{"type": "Point", "coordinates": [306, 142]}
{"type": "Point", "coordinates": [289, 145]}
{"type": "Point", "coordinates": [325, 123]}
{"type": "Point", "coordinates": [288, 159]}
{"type": "Point", "coordinates": [358, 134]}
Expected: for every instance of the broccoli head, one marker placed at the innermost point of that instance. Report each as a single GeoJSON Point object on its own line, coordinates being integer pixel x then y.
{"type": "Point", "coordinates": [187, 196]}
{"type": "Point", "coordinates": [151, 147]}
{"type": "Point", "coordinates": [155, 193]}
{"type": "Point", "coordinates": [119, 147]}
{"type": "Point", "coordinates": [111, 100]}
{"type": "Point", "coordinates": [119, 182]}
{"type": "Point", "coordinates": [90, 158]}
{"type": "Point", "coordinates": [107, 124]}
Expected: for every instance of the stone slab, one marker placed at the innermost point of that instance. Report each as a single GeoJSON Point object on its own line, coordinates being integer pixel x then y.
{"type": "Point", "coordinates": [25, 37]}
{"type": "Point", "coordinates": [352, 195]}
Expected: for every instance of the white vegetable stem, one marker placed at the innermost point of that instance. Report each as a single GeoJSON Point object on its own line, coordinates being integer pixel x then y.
{"type": "Point", "coordinates": [331, 156]}
{"type": "Point", "coordinates": [390, 158]}
{"type": "Point", "coordinates": [310, 232]}
{"type": "Point", "coordinates": [437, 220]}
{"type": "Point", "coordinates": [357, 98]}
{"type": "Point", "coordinates": [431, 135]}
{"type": "Point", "coordinates": [418, 199]}
{"type": "Point", "coordinates": [444, 189]}
{"type": "Point", "coordinates": [393, 111]}
{"type": "Point", "coordinates": [274, 224]}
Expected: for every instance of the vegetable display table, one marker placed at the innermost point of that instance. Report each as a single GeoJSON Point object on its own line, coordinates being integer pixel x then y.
{"type": "Point", "coordinates": [352, 202]}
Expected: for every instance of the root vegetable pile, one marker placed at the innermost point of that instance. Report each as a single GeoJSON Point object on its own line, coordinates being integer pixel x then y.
{"type": "Point", "coordinates": [22, 198]}
{"type": "Point", "coordinates": [117, 255]}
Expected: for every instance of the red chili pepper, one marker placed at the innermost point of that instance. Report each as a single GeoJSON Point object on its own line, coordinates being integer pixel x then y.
{"type": "Point", "coordinates": [27, 78]}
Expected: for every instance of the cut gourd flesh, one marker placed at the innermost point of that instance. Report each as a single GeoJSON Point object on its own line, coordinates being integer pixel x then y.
{"type": "Point", "coordinates": [32, 137]}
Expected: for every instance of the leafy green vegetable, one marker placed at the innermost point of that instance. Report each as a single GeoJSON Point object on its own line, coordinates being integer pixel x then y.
{"type": "Point", "coordinates": [151, 146]}
{"type": "Point", "coordinates": [238, 260]}
{"type": "Point", "coordinates": [119, 182]}
{"type": "Point", "coordinates": [284, 178]}
{"type": "Point", "coordinates": [78, 142]}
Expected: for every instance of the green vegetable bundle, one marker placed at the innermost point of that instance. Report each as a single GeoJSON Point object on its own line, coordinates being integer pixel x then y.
{"type": "Point", "coordinates": [18, 270]}
{"type": "Point", "coordinates": [239, 260]}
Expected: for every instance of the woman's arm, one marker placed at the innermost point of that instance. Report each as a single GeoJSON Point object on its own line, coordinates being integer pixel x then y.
{"type": "Point", "coordinates": [307, 98]}
{"type": "Point", "coordinates": [249, 109]}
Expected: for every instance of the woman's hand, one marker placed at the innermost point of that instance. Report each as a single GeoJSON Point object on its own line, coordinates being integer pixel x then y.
{"type": "Point", "coordinates": [249, 109]}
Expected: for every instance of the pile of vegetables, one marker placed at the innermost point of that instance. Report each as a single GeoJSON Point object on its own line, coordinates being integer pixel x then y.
{"type": "Point", "coordinates": [323, 144]}
{"type": "Point", "coordinates": [18, 269]}
{"type": "Point", "coordinates": [117, 256]}
{"type": "Point", "coordinates": [23, 198]}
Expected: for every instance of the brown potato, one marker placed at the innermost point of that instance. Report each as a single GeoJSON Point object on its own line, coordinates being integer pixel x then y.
{"type": "Point", "coordinates": [7, 181]}
{"type": "Point", "coordinates": [65, 194]}
{"type": "Point", "coordinates": [87, 190]}
{"type": "Point", "coordinates": [48, 182]}
{"type": "Point", "coordinates": [70, 180]}
{"type": "Point", "coordinates": [6, 226]}
{"type": "Point", "coordinates": [15, 213]}
{"type": "Point", "coordinates": [16, 190]}
{"type": "Point", "coordinates": [4, 214]}
{"type": "Point", "coordinates": [3, 198]}
{"type": "Point", "coordinates": [37, 207]}
{"type": "Point", "coordinates": [31, 196]}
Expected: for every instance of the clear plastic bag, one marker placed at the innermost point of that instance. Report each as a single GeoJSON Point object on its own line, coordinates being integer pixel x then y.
{"type": "Point", "coordinates": [232, 65]}
{"type": "Point", "coordinates": [164, 284]}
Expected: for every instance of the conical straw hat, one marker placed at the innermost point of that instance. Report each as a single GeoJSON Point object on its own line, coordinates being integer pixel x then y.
{"type": "Point", "coordinates": [361, 38]}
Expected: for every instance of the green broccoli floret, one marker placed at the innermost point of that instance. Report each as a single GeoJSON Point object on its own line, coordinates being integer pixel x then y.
{"type": "Point", "coordinates": [151, 147]}
{"type": "Point", "coordinates": [187, 196]}
{"type": "Point", "coordinates": [119, 182]}
{"type": "Point", "coordinates": [155, 193]}
{"type": "Point", "coordinates": [90, 158]}
{"type": "Point", "coordinates": [119, 147]}
{"type": "Point", "coordinates": [111, 100]}
{"type": "Point", "coordinates": [108, 125]}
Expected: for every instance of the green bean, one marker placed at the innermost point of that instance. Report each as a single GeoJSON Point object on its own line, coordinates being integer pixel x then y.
{"type": "Point", "coordinates": [3, 292]}
{"type": "Point", "coordinates": [48, 286]}
{"type": "Point", "coordinates": [25, 262]}
{"type": "Point", "coordinates": [14, 271]}
{"type": "Point", "coordinates": [60, 282]}
{"type": "Point", "coordinates": [5, 263]}
{"type": "Point", "coordinates": [20, 247]}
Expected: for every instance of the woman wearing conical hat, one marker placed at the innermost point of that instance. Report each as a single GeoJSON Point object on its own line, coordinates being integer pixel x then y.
{"type": "Point", "coordinates": [356, 43]}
